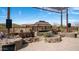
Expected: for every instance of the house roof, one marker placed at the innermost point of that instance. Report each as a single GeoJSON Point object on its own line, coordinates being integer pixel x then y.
{"type": "Point", "coordinates": [42, 23]}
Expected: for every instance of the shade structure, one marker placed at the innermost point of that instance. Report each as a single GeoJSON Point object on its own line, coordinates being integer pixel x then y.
{"type": "Point", "coordinates": [58, 10]}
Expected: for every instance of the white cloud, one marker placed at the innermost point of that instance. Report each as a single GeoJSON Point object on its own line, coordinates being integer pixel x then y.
{"type": "Point", "coordinates": [3, 10]}
{"type": "Point", "coordinates": [3, 16]}
{"type": "Point", "coordinates": [19, 12]}
{"type": "Point", "coordinates": [75, 8]}
{"type": "Point", "coordinates": [49, 13]}
{"type": "Point", "coordinates": [41, 10]}
{"type": "Point", "coordinates": [74, 13]}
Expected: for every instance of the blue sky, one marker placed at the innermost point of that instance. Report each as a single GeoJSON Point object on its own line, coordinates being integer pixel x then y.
{"type": "Point", "coordinates": [30, 15]}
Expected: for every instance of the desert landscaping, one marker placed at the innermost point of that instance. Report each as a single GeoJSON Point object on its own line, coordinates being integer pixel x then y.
{"type": "Point", "coordinates": [41, 35]}
{"type": "Point", "coordinates": [43, 43]}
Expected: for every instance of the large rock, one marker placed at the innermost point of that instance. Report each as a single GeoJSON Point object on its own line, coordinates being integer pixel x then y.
{"type": "Point", "coordinates": [36, 39]}
{"type": "Point", "coordinates": [28, 40]}
{"type": "Point", "coordinates": [68, 34]}
{"type": "Point", "coordinates": [32, 39]}
{"type": "Point", "coordinates": [61, 34]}
{"type": "Point", "coordinates": [18, 44]}
{"type": "Point", "coordinates": [53, 39]}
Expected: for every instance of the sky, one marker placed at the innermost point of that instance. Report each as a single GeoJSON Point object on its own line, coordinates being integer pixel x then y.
{"type": "Point", "coordinates": [30, 15]}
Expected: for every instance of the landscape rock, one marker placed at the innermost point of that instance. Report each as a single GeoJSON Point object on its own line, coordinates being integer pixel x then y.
{"type": "Point", "coordinates": [53, 39]}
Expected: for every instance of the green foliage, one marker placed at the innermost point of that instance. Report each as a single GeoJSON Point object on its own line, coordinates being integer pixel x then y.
{"type": "Point", "coordinates": [3, 26]}
{"type": "Point", "coordinates": [46, 34]}
{"type": "Point", "coordinates": [13, 25]}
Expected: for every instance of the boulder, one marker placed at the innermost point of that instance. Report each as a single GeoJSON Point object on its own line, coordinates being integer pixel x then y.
{"type": "Point", "coordinates": [68, 34]}
{"type": "Point", "coordinates": [28, 40]}
{"type": "Point", "coordinates": [72, 34]}
{"type": "Point", "coordinates": [36, 39]}
{"type": "Point", "coordinates": [53, 39]}
{"type": "Point", "coordinates": [18, 44]}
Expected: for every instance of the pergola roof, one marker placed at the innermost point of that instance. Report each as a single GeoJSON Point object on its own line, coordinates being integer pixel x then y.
{"type": "Point", "coordinates": [58, 8]}
{"type": "Point", "coordinates": [53, 9]}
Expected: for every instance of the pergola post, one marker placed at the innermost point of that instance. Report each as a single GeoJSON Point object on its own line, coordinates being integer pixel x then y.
{"type": "Point", "coordinates": [61, 19]}
{"type": "Point", "coordinates": [67, 19]}
{"type": "Point", "coordinates": [8, 17]}
{"type": "Point", "coordinates": [8, 13]}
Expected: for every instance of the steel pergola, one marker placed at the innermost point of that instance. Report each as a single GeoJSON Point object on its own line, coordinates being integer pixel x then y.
{"type": "Point", "coordinates": [58, 10]}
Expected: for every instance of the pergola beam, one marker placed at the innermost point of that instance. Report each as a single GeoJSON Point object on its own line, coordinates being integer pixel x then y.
{"type": "Point", "coordinates": [58, 8]}
{"type": "Point", "coordinates": [46, 9]}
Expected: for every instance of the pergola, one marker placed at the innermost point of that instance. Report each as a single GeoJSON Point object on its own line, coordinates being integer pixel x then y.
{"type": "Point", "coordinates": [58, 10]}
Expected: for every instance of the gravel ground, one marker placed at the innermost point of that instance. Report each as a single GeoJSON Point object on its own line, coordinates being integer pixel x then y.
{"type": "Point", "coordinates": [67, 44]}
